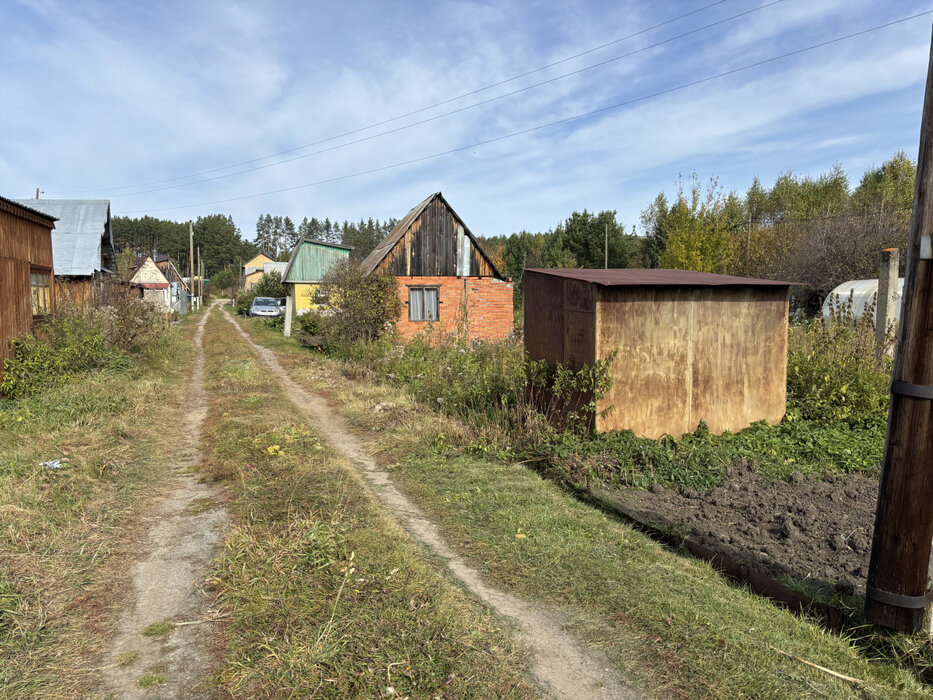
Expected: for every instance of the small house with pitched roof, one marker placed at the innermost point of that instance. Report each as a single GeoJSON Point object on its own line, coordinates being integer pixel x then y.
{"type": "Point", "coordinates": [309, 262]}
{"type": "Point", "coordinates": [446, 280]}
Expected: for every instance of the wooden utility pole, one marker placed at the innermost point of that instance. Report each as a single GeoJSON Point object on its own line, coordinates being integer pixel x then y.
{"type": "Point", "coordinates": [190, 266]}
{"type": "Point", "coordinates": [896, 595]}
{"type": "Point", "coordinates": [887, 295]}
{"type": "Point", "coordinates": [198, 275]}
{"type": "Point", "coordinates": [606, 248]}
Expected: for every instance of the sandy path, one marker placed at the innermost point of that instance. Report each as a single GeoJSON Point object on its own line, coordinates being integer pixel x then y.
{"type": "Point", "coordinates": [562, 666]}
{"type": "Point", "coordinates": [183, 534]}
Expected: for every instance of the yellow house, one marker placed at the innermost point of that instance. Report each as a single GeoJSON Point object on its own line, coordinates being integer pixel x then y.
{"type": "Point", "coordinates": [309, 262]}
{"type": "Point", "coordinates": [252, 270]}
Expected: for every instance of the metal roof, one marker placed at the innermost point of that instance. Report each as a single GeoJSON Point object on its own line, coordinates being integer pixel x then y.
{"type": "Point", "coordinates": [395, 235]}
{"type": "Point", "coordinates": [83, 226]}
{"type": "Point", "coordinates": [311, 260]}
{"type": "Point", "coordinates": [16, 206]}
{"type": "Point", "coordinates": [637, 277]}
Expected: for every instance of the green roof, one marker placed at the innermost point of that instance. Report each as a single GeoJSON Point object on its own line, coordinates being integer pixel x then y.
{"type": "Point", "coordinates": [311, 260]}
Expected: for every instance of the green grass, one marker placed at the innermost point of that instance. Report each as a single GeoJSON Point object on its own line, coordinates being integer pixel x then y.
{"type": "Point", "coordinates": [329, 597]}
{"type": "Point", "coordinates": [127, 658]}
{"type": "Point", "coordinates": [158, 629]}
{"type": "Point", "coordinates": [151, 679]}
{"type": "Point", "coordinates": [672, 624]}
{"type": "Point", "coordinates": [65, 534]}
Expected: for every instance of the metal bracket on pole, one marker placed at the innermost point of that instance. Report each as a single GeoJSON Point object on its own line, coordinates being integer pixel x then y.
{"type": "Point", "coordinates": [917, 391]}
{"type": "Point", "coordinates": [912, 602]}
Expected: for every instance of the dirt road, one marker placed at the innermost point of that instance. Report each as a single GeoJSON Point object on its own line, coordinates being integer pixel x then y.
{"type": "Point", "coordinates": [168, 580]}
{"type": "Point", "coordinates": [562, 666]}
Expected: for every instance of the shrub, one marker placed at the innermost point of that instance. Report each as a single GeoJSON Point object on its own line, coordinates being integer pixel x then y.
{"type": "Point", "coordinates": [81, 339]}
{"type": "Point", "coordinates": [361, 307]}
{"type": "Point", "coordinates": [72, 343]}
{"type": "Point", "coordinates": [836, 371]}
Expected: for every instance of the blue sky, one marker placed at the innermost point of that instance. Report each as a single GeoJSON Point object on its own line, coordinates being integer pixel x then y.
{"type": "Point", "coordinates": [100, 99]}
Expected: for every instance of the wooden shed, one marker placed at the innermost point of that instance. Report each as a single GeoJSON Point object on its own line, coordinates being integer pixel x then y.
{"type": "Point", "coordinates": [446, 279]}
{"type": "Point", "coordinates": [27, 285]}
{"type": "Point", "coordinates": [691, 346]}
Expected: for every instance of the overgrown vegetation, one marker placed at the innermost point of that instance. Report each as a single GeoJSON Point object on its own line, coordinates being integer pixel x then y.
{"type": "Point", "coordinates": [329, 597]}
{"type": "Point", "coordinates": [77, 460]}
{"type": "Point", "coordinates": [82, 339]}
{"type": "Point", "coordinates": [360, 308]}
{"type": "Point", "coordinates": [672, 624]}
{"type": "Point", "coordinates": [835, 422]}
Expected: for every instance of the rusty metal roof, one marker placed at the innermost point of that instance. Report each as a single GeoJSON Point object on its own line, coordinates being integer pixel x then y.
{"type": "Point", "coordinates": [637, 277]}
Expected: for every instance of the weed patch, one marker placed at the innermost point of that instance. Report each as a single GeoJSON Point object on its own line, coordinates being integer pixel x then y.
{"type": "Point", "coordinates": [77, 460]}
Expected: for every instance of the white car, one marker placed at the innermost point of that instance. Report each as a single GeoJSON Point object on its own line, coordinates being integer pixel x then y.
{"type": "Point", "coordinates": [266, 307]}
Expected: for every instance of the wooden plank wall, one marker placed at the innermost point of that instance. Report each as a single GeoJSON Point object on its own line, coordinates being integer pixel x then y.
{"type": "Point", "coordinates": [429, 248]}
{"type": "Point", "coordinates": [22, 244]}
{"type": "Point", "coordinates": [717, 354]}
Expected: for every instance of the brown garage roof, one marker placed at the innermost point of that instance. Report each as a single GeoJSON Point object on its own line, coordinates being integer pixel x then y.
{"type": "Point", "coordinates": [637, 277]}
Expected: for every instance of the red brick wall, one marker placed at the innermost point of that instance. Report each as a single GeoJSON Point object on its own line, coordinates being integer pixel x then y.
{"type": "Point", "coordinates": [488, 306]}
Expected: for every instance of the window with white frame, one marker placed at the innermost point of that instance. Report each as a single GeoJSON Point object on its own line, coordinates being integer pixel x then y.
{"type": "Point", "coordinates": [423, 304]}
{"type": "Point", "coordinates": [40, 287]}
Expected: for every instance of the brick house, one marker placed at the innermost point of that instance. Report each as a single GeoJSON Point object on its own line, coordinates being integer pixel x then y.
{"type": "Point", "coordinates": [446, 280]}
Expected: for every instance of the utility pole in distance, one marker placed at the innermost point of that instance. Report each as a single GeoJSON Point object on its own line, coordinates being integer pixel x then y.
{"type": "Point", "coordinates": [190, 266]}
{"type": "Point", "coordinates": [896, 594]}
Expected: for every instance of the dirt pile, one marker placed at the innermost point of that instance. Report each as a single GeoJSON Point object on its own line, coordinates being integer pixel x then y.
{"type": "Point", "coordinates": [802, 528]}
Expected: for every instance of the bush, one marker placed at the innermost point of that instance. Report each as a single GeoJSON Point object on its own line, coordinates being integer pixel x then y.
{"type": "Point", "coordinates": [836, 371]}
{"type": "Point", "coordinates": [72, 343]}
{"type": "Point", "coordinates": [360, 307]}
{"type": "Point", "coordinates": [82, 339]}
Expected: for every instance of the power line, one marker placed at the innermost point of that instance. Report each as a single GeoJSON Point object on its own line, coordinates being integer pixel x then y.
{"type": "Point", "coordinates": [454, 111]}
{"type": "Point", "coordinates": [558, 122]}
{"type": "Point", "coordinates": [402, 116]}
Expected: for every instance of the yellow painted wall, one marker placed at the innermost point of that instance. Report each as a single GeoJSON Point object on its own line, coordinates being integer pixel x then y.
{"type": "Point", "coordinates": [304, 297]}
{"type": "Point", "coordinates": [251, 279]}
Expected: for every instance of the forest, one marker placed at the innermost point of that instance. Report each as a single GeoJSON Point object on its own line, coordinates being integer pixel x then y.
{"type": "Point", "coordinates": [819, 231]}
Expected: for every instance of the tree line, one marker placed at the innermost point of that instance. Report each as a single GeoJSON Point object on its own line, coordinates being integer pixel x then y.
{"type": "Point", "coordinates": [818, 231]}
{"type": "Point", "coordinates": [223, 246]}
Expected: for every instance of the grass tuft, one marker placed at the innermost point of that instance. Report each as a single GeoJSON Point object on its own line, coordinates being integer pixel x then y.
{"type": "Point", "coordinates": [159, 629]}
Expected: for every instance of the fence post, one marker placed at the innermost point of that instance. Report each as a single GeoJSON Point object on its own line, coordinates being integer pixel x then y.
{"type": "Point", "coordinates": [887, 294]}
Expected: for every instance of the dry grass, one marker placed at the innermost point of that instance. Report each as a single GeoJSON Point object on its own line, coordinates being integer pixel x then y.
{"type": "Point", "coordinates": [329, 597]}
{"type": "Point", "coordinates": [67, 533]}
{"type": "Point", "coordinates": [672, 624]}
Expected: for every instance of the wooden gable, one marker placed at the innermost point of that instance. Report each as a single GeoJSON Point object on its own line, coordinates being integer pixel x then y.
{"type": "Point", "coordinates": [431, 241]}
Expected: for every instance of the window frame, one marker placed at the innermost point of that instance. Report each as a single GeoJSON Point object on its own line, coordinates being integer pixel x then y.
{"type": "Point", "coordinates": [420, 288]}
{"type": "Point", "coordinates": [38, 271]}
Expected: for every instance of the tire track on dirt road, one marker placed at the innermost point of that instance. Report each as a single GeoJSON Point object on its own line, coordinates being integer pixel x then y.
{"type": "Point", "coordinates": [561, 665]}
{"type": "Point", "coordinates": [183, 533]}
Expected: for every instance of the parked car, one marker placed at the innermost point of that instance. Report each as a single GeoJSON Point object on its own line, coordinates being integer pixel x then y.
{"type": "Point", "coordinates": [266, 307]}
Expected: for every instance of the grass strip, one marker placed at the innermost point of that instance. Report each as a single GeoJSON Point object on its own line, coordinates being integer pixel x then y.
{"type": "Point", "coordinates": [67, 527]}
{"type": "Point", "coordinates": [672, 624]}
{"type": "Point", "coordinates": [329, 597]}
